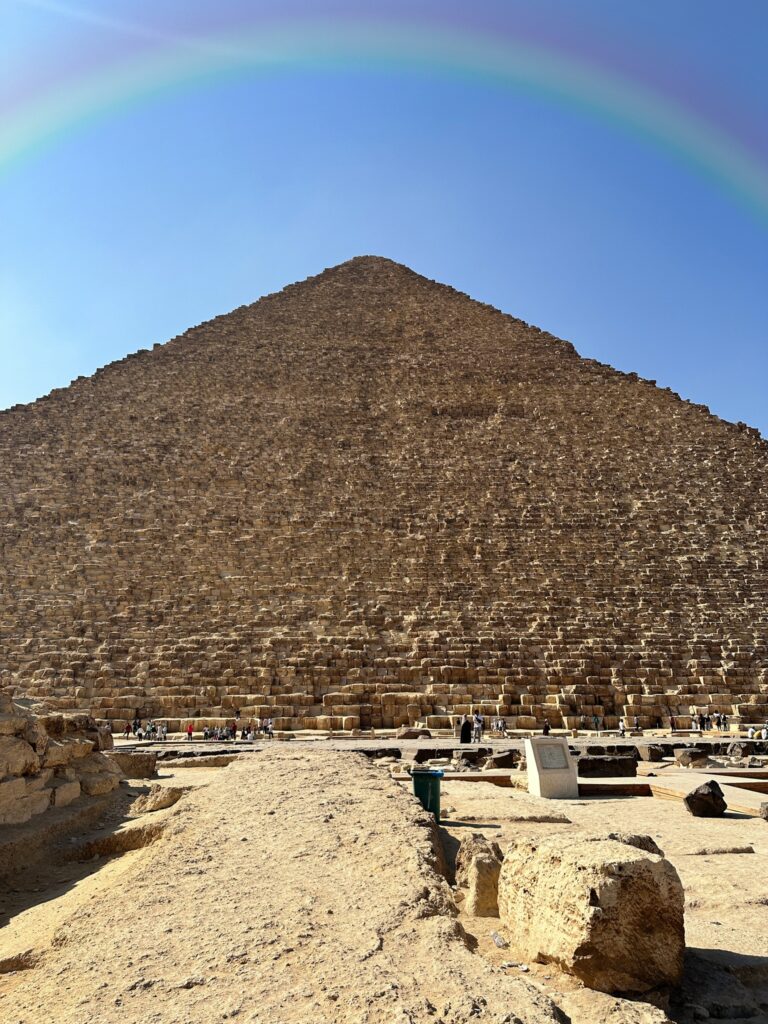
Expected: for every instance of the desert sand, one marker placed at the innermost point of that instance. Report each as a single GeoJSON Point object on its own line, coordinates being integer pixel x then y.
{"type": "Point", "coordinates": [309, 886]}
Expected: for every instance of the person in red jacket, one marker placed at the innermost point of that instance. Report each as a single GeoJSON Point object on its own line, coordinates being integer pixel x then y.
{"type": "Point", "coordinates": [190, 730]}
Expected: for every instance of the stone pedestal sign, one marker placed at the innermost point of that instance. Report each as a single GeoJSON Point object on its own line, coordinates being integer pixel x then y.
{"type": "Point", "coordinates": [551, 769]}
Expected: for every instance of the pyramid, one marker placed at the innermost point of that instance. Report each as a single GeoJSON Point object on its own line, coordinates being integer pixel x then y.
{"type": "Point", "coordinates": [368, 500]}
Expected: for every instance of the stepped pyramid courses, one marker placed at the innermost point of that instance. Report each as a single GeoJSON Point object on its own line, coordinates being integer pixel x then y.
{"type": "Point", "coordinates": [369, 500]}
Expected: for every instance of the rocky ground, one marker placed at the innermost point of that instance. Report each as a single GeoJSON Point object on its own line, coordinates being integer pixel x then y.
{"type": "Point", "coordinates": [306, 885]}
{"type": "Point", "coordinates": [722, 862]}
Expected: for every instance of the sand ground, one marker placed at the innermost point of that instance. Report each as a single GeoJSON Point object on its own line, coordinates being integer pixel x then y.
{"type": "Point", "coordinates": [303, 886]}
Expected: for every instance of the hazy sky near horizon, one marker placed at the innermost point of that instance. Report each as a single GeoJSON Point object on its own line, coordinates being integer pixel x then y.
{"type": "Point", "coordinates": [599, 169]}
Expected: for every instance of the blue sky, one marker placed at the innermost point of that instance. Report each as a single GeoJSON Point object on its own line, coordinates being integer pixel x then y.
{"type": "Point", "coordinates": [128, 228]}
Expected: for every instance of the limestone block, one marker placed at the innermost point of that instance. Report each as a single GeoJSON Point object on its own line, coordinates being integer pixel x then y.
{"type": "Point", "coordinates": [605, 911]}
{"type": "Point", "coordinates": [136, 764]}
{"type": "Point", "coordinates": [66, 750]}
{"type": "Point", "coordinates": [483, 885]}
{"type": "Point", "coordinates": [11, 790]}
{"type": "Point", "coordinates": [11, 724]}
{"type": "Point", "coordinates": [98, 785]}
{"type": "Point", "coordinates": [17, 757]}
{"type": "Point", "coordinates": [472, 846]}
{"type": "Point", "coordinates": [21, 810]}
{"type": "Point", "coordinates": [65, 793]}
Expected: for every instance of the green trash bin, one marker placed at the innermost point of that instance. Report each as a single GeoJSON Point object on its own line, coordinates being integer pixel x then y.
{"type": "Point", "coordinates": [426, 787]}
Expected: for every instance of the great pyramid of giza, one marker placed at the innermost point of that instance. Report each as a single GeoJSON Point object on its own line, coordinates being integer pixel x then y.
{"type": "Point", "coordinates": [367, 500]}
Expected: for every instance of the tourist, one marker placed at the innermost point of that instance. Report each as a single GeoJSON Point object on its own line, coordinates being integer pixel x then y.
{"type": "Point", "coordinates": [478, 723]}
{"type": "Point", "coordinates": [596, 723]}
{"type": "Point", "coordinates": [465, 732]}
{"type": "Point", "coordinates": [545, 729]}
{"type": "Point", "coordinates": [190, 731]}
{"type": "Point", "coordinates": [750, 733]}
{"type": "Point", "coordinates": [503, 726]}
{"type": "Point", "coordinates": [622, 728]}
{"type": "Point", "coordinates": [127, 730]}
{"type": "Point", "coordinates": [764, 732]}
{"type": "Point", "coordinates": [724, 722]}
{"type": "Point", "coordinates": [268, 728]}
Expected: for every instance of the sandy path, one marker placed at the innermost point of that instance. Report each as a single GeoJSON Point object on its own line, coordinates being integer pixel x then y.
{"type": "Point", "coordinates": [294, 891]}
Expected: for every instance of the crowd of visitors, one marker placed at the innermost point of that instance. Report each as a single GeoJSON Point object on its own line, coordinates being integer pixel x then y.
{"type": "Point", "coordinates": [704, 722]}
{"type": "Point", "coordinates": [151, 731]}
{"type": "Point", "coordinates": [251, 731]}
{"type": "Point", "coordinates": [232, 731]}
{"type": "Point", "coordinates": [758, 733]}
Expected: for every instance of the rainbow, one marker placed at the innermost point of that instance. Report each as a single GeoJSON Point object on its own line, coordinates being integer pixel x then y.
{"type": "Point", "coordinates": [172, 63]}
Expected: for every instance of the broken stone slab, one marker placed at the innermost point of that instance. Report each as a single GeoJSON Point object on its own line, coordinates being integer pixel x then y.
{"type": "Point", "coordinates": [650, 751]}
{"type": "Point", "coordinates": [478, 863]}
{"type": "Point", "coordinates": [764, 811]}
{"type": "Point", "coordinates": [602, 910]}
{"type": "Point", "coordinates": [706, 801]}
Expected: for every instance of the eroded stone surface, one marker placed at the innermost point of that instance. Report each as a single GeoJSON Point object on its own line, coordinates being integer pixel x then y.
{"type": "Point", "coordinates": [367, 501]}
{"type": "Point", "coordinates": [603, 910]}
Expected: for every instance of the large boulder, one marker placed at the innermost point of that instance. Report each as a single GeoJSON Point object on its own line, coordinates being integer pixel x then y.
{"type": "Point", "coordinates": [64, 793]}
{"type": "Point", "coordinates": [602, 910]}
{"type": "Point", "coordinates": [706, 801]}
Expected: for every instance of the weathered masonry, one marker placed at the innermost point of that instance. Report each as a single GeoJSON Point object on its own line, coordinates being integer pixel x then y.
{"type": "Point", "coordinates": [369, 499]}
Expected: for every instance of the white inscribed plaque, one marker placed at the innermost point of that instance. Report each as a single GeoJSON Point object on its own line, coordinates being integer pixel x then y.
{"type": "Point", "coordinates": [553, 756]}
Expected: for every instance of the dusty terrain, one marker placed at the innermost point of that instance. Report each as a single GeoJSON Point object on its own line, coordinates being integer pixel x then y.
{"type": "Point", "coordinates": [299, 889]}
{"type": "Point", "coordinates": [303, 886]}
{"type": "Point", "coordinates": [726, 914]}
